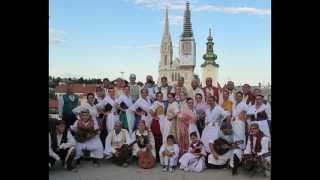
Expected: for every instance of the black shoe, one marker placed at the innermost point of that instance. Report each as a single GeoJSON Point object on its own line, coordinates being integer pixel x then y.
{"type": "Point", "coordinates": [78, 162]}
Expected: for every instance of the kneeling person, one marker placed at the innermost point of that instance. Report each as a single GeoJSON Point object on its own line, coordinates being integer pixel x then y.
{"type": "Point", "coordinates": [87, 138]}
{"type": "Point", "coordinates": [117, 145]}
{"type": "Point", "coordinates": [61, 146]}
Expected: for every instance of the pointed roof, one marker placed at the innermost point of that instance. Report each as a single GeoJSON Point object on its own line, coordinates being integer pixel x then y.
{"type": "Point", "coordinates": [166, 33]}
{"type": "Point", "coordinates": [187, 26]}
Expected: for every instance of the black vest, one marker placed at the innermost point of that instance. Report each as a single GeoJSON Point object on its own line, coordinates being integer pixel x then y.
{"type": "Point", "coordinates": [54, 140]}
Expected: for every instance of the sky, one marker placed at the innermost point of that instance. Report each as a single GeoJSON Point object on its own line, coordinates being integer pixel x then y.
{"type": "Point", "coordinates": [101, 38]}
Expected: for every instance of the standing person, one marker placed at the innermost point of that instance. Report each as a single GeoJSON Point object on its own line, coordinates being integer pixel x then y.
{"type": "Point", "coordinates": [257, 91]}
{"type": "Point", "coordinates": [171, 117]}
{"type": "Point", "coordinates": [165, 89]}
{"type": "Point", "coordinates": [111, 99]}
{"type": "Point", "coordinates": [106, 84]}
{"type": "Point", "coordinates": [195, 89]}
{"type": "Point", "coordinates": [226, 102]}
{"type": "Point", "coordinates": [194, 159]}
{"type": "Point", "coordinates": [144, 140]}
{"type": "Point", "coordinates": [151, 87]}
{"type": "Point", "coordinates": [134, 88]}
{"type": "Point", "coordinates": [158, 119]}
{"type": "Point", "coordinates": [239, 105]}
{"type": "Point", "coordinates": [124, 102]}
{"type": "Point", "coordinates": [239, 128]}
{"type": "Point", "coordinates": [230, 88]}
{"type": "Point", "coordinates": [117, 145]}
{"type": "Point", "coordinates": [100, 94]}
{"type": "Point", "coordinates": [210, 90]}
{"type": "Point", "coordinates": [179, 87]}
{"type": "Point", "coordinates": [61, 146]}
{"type": "Point", "coordinates": [259, 111]}
{"type": "Point", "coordinates": [88, 105]}
{"type": "Point", "coordinates": [87, 137]}
{"type": "Point", "coordinates": [67, 103]}
{"type": "Point", "coordinates": [182, 102]}
{"type": "Point", "coordinates": [119, 84]}
{"type": "Point", "coordinates": [186, 124]}
{"type": "Point", "coordinates": [141, 108]}
{"type": "Point", "coordinates": [201, 108]}
{"type": "Point", "coordinates": [248, 95]}
{"type": "Point", "coordinates": [214, 117]}
{"type": "Point", "coordinates": [169, 153]}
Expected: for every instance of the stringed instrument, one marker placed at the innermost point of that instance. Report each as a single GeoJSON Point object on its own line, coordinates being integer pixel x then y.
{"type": "Point", "coordinates": [222, 146]}
{"type": "Point", "coordinates": [124, 153]}
{"type": "Point", "coordinates": [146, 160]}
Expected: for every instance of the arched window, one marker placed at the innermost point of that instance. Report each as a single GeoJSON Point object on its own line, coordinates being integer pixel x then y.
{"type": "Point", "coordinates": [165, 60]}
{"type": "Point", "coordinates": [172, 77]}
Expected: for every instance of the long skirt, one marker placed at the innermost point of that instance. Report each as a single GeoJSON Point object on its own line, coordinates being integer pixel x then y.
{"type": "Point", "coordinates": [155, 129]}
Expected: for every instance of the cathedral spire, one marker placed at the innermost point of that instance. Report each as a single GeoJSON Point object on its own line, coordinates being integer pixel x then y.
{"type": "Point", "coordinates": [166, 34]}
{"type": "Point", "coordinates": [187, 27]}
{"type": "Point", "coordinates": [210, 57]}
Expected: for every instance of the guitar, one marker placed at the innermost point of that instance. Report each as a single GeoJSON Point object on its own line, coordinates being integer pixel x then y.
{"type": "Point", "coordinates": [222, 146]}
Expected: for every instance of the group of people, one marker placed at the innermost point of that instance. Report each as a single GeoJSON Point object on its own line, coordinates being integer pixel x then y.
{"type": "Point", "coordinates": [204, 127]}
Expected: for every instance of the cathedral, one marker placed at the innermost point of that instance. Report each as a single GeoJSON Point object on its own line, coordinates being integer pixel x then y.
{"type": "Point", "coordinates": [182, 66]}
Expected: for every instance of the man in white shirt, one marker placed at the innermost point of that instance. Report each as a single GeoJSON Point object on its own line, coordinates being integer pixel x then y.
{"type": "Point", "coordinates": [61, 146]}
{"type": "Point", "coordinates": [239, 105]}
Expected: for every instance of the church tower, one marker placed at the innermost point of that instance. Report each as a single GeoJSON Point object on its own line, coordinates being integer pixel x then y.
{"type": "Point", "coordinates": [187, 49]}
{"type": "Point", "coordinates": [209, 66]}
{"type": "Point", "coordinates": [166, 52]}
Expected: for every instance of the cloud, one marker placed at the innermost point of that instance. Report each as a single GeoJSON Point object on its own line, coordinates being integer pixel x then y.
{"type": "Point", "coordinates": [233, 10]}
{"type": "Point", "coordinates": [56, 36]}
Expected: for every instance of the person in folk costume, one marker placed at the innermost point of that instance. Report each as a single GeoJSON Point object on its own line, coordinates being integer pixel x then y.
{"type": "Point", "coordinates": [177, 91]}
{"type": "Point", "coordinates": [239, 129]}
{"type": "Point", "coordinates": [230, 88]}
{"type": "Point", "coordinates": [158, 121]}
{"type": "Point", "coordinates": [170, 124]}
{"type": "Point", "coordinates": [182, 102]}
{"type": "Point", "coordinates": [265, 101]}
{"type": "Point", "coordinates": [259, 115]}
{"type": "Point", "coordinates": [134, 88]}
{"type": "Point", "coordinates": [151, 87]}
{"type": "Point", "coordinates": [210, 90]}
{"type": "Point", "coordinates": [201, 108]}
{"type": "Point", "coordinates": [186, 123]}
{"type": "Point", "coordinates": [119, 85]}
{"type": "Point", "coordinates": [87, 137]}
{"type": "Point", "coordinates": [165, 89]}
{"type": "Point", "coordinates": [67, 103]}
{"type": "Point", "coordinates": [107, 123]}
{"type": "Point", "coordinates": [239, 105]}
{"type": "Point", "coordinates": [233, 155]}
{"type": "Point", "coordinates": [114, 142]}
{"type": "Point", "coordinates": [105, 85]}
{"type": "Point", "coordinates": [88, 105]}
{"type": "Point", "coordinates": [194, 159]}
{"type": "Point", "coordinates": [258, 148]}
{"type": "Point", "coordinates": [61, 146]}
{"type": "Point", "coordinates": [214, 117]}
{"type": "Point", "coordinates": [248, 95]}
{"type": "Point", "coordinates": [196, 89]}
{"type": "Point", "coordinates": [111, 99]}
{"type": "Point", "coordinates": [225, 102]}
{"type": "Point", "coordinates": [141, 109]}
{"type": "Point", "coordinates": [144, 140]}
{"type": "Point", "coordinates": [179, 87]}
{"type": "Point", "coordinates": [169, 153]}
{"type": "Point", "coordinates": [100, 95]}
{"type": "Point", "coordinates": [124, 103]}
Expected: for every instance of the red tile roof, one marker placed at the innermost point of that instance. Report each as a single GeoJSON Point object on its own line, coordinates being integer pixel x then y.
{"type": "Point", "coordinates": [78, 88]}
{"type": "Point", "coordinates": [53, 103]}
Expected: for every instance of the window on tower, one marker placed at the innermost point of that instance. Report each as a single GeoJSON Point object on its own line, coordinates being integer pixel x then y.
{"type": "Point", "coordinates": [165, 60]}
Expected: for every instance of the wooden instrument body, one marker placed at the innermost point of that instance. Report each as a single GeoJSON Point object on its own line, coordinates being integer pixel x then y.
{"type": "Point", "coordinates": [146, 160]}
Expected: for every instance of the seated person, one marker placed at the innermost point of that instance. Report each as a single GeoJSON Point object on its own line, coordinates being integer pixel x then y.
{"type": "Point", "coordinates": [225, 149]}
{"type": "Point", "coordinates": [87, 138]}
{"type": "Point", "coordinates": [144, 140]}
{"type": "Point", "coordinates": [169, 153]}
{"type": "Point", "coordinates": [61, 146]}
{"type": "Point", "coordinates": [257, 150]}
{"type": "Point", "coordinates": [194, 159]}
{"type": "Point", "coordinates": [117, 145]}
